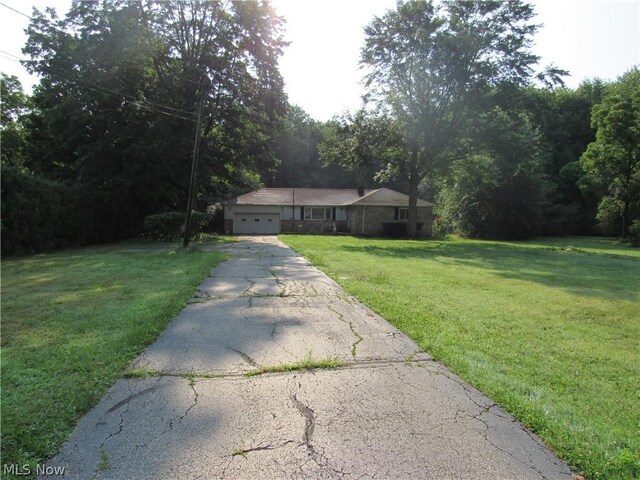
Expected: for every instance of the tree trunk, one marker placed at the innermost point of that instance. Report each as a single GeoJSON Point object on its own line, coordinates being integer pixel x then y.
{"type": "Point", "coordinates": [625, 219]}
{"type": "Point", "coordinates": [412, 222]}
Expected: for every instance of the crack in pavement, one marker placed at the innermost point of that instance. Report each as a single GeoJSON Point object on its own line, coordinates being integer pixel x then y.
{"type": "Point", "coordinates": [359, 364]}
{"type": "Point", "coordinates": [126, 402]}
{"type": "Point", "coordinates": [244, 451]}
{"type": "Point", "coordinates": [280, 344]}
{"type": "Point", "coordinates": [245, 357]}
{"type": "Point", "coordinates": [485, 435]}
{"type": "Point", "coordinates": [354, 346]}
{"type": "Point", "coordinates": [315, 452]}
{"type": "Point", "coordinates": [359, 338]}
{"type": "Point", "coordinates": [170, 424]}
{"type": "Point", "coordinates": [248, 289]}
{"type": "Point", "coordinates": [192, 384]}
{"type": "Point", "coordinates": [309, 417]}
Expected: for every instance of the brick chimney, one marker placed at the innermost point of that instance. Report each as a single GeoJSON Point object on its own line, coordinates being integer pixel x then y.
{"type": "Point", "coordinates": [360, 191]}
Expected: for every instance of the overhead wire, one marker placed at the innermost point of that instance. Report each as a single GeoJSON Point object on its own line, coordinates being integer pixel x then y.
{"type": "Point", "coordinates": [16, 11]}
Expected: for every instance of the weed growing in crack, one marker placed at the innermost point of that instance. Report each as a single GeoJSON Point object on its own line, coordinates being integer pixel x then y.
{"type": "Point", "coordinates": [104, 460]}
{"type": "Point", "coordinates": [239, 452]}
{"type": "Point", "coordinates": [192, 377]}
{"type": "Point", "coordinates": [308, 363]}
{"type": "Point", "coordinates": [141, 373]}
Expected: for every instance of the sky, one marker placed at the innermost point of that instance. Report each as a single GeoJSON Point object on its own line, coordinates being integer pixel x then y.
{"type": "Point", "coordinates": [589, 38]}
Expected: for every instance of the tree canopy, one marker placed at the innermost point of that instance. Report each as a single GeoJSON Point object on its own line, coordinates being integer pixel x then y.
{"type": "Point", "coordinates": [121, 82]}
{"type": "Point", "coordinates": [429, 69]}
{"type": "Point", "coordinates": [116, 106]}
{"type": "Point", "coordinates": [452, 113]}
{"type": "Point", "coordinates": [614, 157]}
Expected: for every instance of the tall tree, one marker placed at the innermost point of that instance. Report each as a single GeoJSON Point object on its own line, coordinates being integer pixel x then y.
{"type": "Point", "coordinates": [614, 157]}
{"type": "Point", "coordinates": [14, 105]}
{"type": "Point", "coordinates": [429, 67]}
{"type": "Point", "coordinates": [300, 163]}
{"type": "Point", "coordinates": [121, 83]}
{"type": "Point", "coordinates": [496, 193]}
{"type": "Point", "coordinates": [563, 118]}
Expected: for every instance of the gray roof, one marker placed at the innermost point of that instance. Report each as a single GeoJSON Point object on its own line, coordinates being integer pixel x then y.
{"type": "Point", "coordinates": [325, 197]}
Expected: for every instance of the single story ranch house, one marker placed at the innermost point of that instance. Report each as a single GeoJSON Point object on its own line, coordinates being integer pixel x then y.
{"type": "Point", "coordinates": [321, 210]}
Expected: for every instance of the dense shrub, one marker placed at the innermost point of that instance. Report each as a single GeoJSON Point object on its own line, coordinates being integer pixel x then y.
{"type": "Point", "coordinates": [168, 226]}
{"type": "Point", "coordinates": [40, 214]}
{"type": "Point", "coordinates": [216, 223]}
{"type": "Point", "coordinates": [163, 226]}
{"type": "Point", "coordinates": [397, 229]}
{"type": "Point", "coordinates": [484, 199]}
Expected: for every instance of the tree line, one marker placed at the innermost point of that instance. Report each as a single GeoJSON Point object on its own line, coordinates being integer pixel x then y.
{"type": "Point", "coordinates": [455, 112]}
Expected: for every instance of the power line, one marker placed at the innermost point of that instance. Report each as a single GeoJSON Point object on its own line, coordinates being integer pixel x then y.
{"type": "Point", "coordinates": [111, 93]}
{"type": "Point", "coordinates": [17, 11]}
{"type": "Point", "coordinates": [20, 59]}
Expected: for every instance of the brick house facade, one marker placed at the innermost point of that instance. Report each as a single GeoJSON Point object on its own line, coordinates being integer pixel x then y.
{"type": "Point", "coordinates": [313, 210]}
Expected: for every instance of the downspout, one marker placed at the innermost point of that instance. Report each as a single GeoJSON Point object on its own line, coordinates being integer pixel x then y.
{"type": "Point", "coordinates": [364, 212]}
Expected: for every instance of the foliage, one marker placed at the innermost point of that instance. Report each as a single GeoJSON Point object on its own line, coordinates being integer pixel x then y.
{"type": "Point", "coordinates": [169, 226]}
{"type": "Point", "coordinates": [497, 194]}
{"type": "Point", "coordinates": [563, 120]}
{"type": "Point", "coordinates": [547, 328]}
{"type": "Point", "coordinates": [41, 214]}
{"type": "Point", "coordinates": [163, 226]}
{"type": "Point", "coordinates": [120, 86]}
{"type": "Point", "coordinates": [301, 164]}
{"type": "Point", "coordinates": [72, 321]}
{"type": "Point", "coordinates": [609, 215]}
{"type": "Point", "coordinates": [13, 106]}
{"type": "Point", "coordinates": [362, 140]}
{"type": "Point", "coordinates": [397, 229]}
{"type": "Point", "coordinates": [307, 363]}
{"type": "Point", "coordinates": [614, 157]}
{"type": "Point", "coordinates": [297, 153]}
{"type": "Point", "coordinates": [430, 68]}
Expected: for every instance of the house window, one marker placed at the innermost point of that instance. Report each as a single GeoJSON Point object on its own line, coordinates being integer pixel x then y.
{"type": "Point", "coordinates": [317, 213]}
{"type": "Point", "coordinates": [403, 214]}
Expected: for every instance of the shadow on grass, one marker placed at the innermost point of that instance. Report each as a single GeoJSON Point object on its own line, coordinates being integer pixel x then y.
{"type": "Point", "coordinates": [573, 270]}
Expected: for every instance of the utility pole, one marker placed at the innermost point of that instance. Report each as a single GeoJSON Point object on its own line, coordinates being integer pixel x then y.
{"type": "Point", "coordinates": [194, 167]}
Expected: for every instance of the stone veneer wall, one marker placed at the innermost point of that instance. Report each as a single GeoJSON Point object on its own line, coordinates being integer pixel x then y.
{"type": "Point", "coordinates": [375, 216]}
{"type": "Point", "coordinates": [313, 226]}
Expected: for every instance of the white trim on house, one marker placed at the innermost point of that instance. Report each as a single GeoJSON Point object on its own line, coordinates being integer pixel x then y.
{"type": "Point", "coordinates": [317, 213]}
{"type": "Point", "coordinates": [256, 223]}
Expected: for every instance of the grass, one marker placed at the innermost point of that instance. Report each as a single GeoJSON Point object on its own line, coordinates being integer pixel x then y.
{"type": "Point", "coordinates": [550, 328]}
{"type": "Point", "coordinates": [71, 323]}
{"type": "Point", "coordinates": [307, 363]}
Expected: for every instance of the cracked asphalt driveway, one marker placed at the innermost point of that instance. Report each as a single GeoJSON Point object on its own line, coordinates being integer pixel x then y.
{"type": "Point", "coordinates": [389, 412]}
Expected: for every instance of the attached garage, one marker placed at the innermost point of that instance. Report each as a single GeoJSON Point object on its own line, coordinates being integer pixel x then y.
{"type": "Point", "coordinates": [256, 223]}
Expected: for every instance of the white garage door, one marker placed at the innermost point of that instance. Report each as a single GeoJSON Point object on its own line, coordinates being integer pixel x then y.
{"type": "Point", "coordinates": [256, 223]}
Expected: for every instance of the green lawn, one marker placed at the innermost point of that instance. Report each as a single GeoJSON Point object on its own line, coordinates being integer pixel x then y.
{"type": "Point", "coordinates": [550, 329]}
{"type": "Point", "coordinates": [71, 322]}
